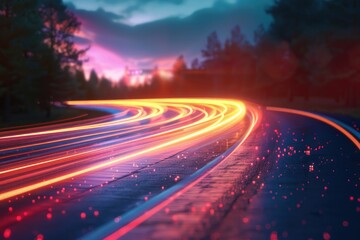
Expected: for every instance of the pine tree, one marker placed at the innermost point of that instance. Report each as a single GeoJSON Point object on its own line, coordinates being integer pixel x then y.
{"type": "Point", "coordinates": [92, 86]}
{"type": "Point", "coordinates": [195, 64]}
{"type": "Point", "coordinates": [59, 51]}
{"type": "Point", "coordinates": [213, 51]}
{"type": "Point", "coordinates": [80, 84]}
{"type": "Point", "coordinates": [105, 88]}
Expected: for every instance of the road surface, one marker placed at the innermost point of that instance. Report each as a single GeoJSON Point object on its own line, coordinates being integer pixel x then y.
{"type": "Point", "coordinates": [179, 169]}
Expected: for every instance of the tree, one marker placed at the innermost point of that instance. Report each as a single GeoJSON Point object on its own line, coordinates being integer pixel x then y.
{"type": "Point", "coordinates": [212, 52]}
{"type": "Point", "coordinates": [195, 64]}
{"type": "Point", "coordinates": [178, 70]}
{"type": "Point", "coordinates": [344, 22]}
{"type": "Point", "coordinates": [20, 28]}
{"type": "Point", "coordinates": [81, 83]}
{"type": "Point", "coordinates": [302, 31]}
{"type": "Point", "coordinates": [344, 14]}
{"type": "Point", "coordinates": [235, 47]}
{"type": "Point", "coordinates": [59, 52]}
{"type": "Point", "coordinates": [293, 18]}
{"type": "Point", "coordinates": [259, 35]}
{"type": "Point", "coordinates": [122, 89]}
{"type": "Point", "coordinates": [105, 88]}
{"type": "Point", "coordinates": [92, 86]}
{"type": "Point", "coordinates": [179, 65]}
{"type": "Point", "coordinates": [237, 38]}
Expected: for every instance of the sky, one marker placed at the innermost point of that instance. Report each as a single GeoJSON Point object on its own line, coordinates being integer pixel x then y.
{"type": "Point", "coordinates": [148, 33]}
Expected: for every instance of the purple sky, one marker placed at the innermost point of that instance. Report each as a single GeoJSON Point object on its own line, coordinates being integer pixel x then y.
{"type": "Point", "coordinates": [146, 33]}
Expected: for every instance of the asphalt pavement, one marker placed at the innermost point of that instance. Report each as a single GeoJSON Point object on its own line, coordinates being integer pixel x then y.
{"type": "Point", "coordinates": [291, 177]}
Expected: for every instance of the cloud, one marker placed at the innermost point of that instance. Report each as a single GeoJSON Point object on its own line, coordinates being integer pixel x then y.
{"type": "Point", "coordinates": [141, 11]}
{"type": "Point", "coordinates": [104, 62]}
{"type": "Point", "coordinates": [137, 5]}
{"type": "Point", "coordinates": [157, 42]}
{"type": "Point", "coordinates": [174, 35]}
{"type": "Point", "coordinates": [115, 2]}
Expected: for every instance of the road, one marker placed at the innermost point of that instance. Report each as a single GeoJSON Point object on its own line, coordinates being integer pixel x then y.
{"type": "Point", "coordinates": [172, 169]}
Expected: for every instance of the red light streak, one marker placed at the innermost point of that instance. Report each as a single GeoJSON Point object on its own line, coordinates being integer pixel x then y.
{"type": "Point", "coordinates": [255, 117]}
{"type": "Point", "coordinates": [154, 126]}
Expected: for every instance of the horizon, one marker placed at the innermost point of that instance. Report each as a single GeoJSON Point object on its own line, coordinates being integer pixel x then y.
{"type": "Point", "coordinates": [124, 34]}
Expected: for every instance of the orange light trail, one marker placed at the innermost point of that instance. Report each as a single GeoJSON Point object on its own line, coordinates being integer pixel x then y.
{"type": "Point", "coordinates": [255, 120]}
{"type": "Point", "coordinates": [59, 152]}
{"type": "Point", "coordinates": [319, 118]}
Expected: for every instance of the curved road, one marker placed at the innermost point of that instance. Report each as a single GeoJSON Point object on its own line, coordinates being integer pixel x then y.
{"type": "Point", "coordinates": [182, 165]}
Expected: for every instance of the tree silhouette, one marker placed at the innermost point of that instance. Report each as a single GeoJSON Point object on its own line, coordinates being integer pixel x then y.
{"type": "Point", "coordinates": [59, 27]}
{"type": "Point", "coordinates": [212, 52]}
{"type": "Point", "coordinates": [105, 89]}
{"type": "Point", "coordinates": [293, 18]}
{"type": "Point", "coordinates": [179, 68]}
{"type": "Point", "coordinates": [93, 84]}
{"type": "Point", "coordinates": [20, 39]}
{"type": "Point", "coordinates": [195, 64]}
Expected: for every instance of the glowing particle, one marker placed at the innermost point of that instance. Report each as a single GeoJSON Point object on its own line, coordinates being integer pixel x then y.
{"type": "Point", "coordinates": [49, 216]}
{"type": "Point", "coordinates": [326, 236]}
{"type": "Point", "coordinates": [311, 167]}
{"type": "Point", "coordinates": [245, 220]}
{"type": "Point", "coordinates": [96, 213]}
{"type": "Point", "coordinates": [273, 236]}
{"type": "Point", "coordinates": [7, 233]}
{"type": "Point", "coordinates": [82, 215]}
{"type": "Point", "coordinates": [40, 237]}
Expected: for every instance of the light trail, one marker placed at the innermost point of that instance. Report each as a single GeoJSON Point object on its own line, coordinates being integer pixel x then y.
{"type": "Point", "coordinates": [136, 217]}
{"type": "Point", "coordinates": [335, 124]}
{"type": "Point", "coordinates": [59, 152]}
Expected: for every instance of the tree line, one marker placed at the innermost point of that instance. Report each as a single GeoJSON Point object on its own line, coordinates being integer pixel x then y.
{"type": "Point", "coordinates": [311, 48]}
{"type": "Point", "coordinates": [37, 54]}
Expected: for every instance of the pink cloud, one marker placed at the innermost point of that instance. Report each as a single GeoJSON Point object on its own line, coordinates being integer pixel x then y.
{"type": "Point", "coordinates": [109, 63]}
{"type": "Point", "coordinates": [104, 62]}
